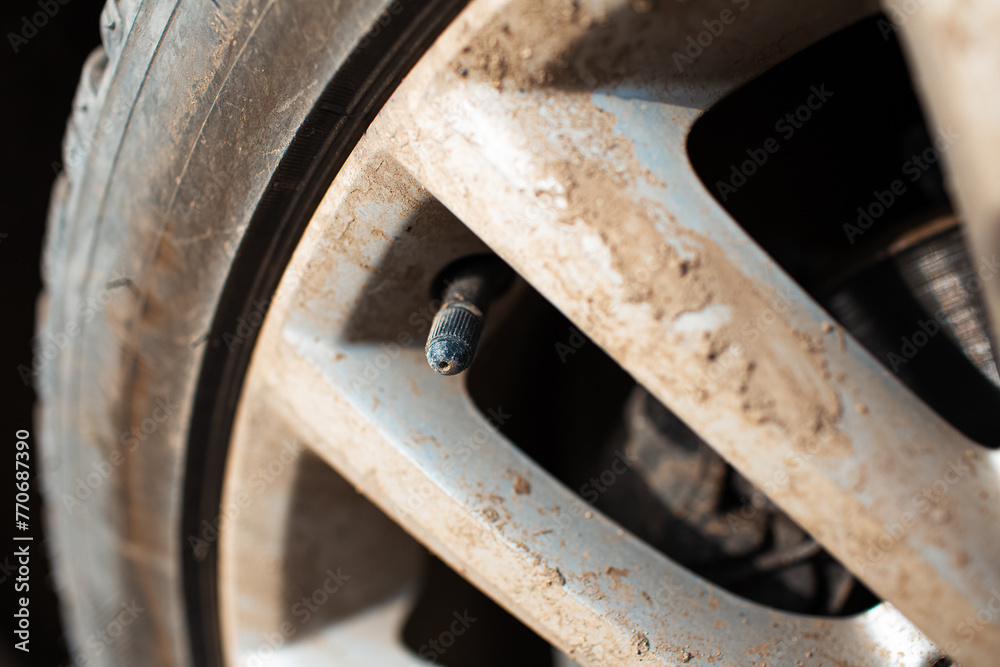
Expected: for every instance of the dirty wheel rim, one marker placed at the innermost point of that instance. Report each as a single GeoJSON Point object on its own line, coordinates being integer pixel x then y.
{"type": "Point", "coordinates": [467, 145]}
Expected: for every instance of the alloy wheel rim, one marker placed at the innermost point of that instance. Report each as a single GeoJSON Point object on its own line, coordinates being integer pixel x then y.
{"type": "Point", "coordinates": [462, 144]}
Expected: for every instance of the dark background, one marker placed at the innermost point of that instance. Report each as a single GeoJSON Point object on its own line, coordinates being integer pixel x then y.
{"type": "Point", "coordinates": [38, 83]}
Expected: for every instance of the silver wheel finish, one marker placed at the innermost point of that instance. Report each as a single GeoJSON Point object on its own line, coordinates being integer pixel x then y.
{"type": "Point", "coordinates": [573, 169]}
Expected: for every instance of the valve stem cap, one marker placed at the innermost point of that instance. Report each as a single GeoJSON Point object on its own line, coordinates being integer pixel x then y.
{"type": "Point", "coordinates": [452, 341]}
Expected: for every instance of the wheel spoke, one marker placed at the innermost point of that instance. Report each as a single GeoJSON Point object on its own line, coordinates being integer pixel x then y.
{"type": "Point", "coordinates": [571, 165]}
{"type": "Point", "coordinates": [607, 221]}
{"type": "Point", "coordinates": [412, 441]}
{"type": "Point", "coordinates": [304, 556]}
{"type": "Point", "coordinates": [956, 59]}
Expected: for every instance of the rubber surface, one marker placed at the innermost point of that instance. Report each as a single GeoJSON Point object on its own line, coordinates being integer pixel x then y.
{"type": "Point", "coordinates": [202, 136]}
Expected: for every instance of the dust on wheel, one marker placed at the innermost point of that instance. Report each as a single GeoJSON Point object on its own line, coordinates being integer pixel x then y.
{"type": "Point", "coordinates": [513, 333]}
